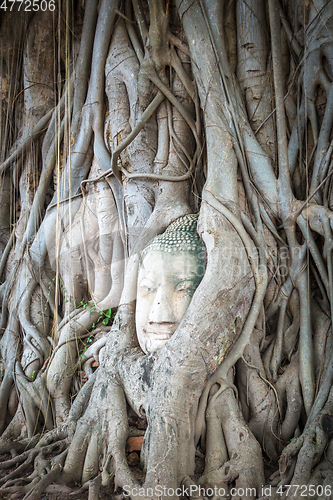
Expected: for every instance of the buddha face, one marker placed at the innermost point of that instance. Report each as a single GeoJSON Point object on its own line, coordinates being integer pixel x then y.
{"type": "Point", "coordinates": [166, 283]}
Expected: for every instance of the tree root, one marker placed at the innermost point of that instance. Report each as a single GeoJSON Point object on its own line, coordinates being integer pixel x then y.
{"type": "Point", "coordinates": [245, 465]}
{"type": "Point", "coordinates": [46, 470]}
{"type": "Point", "coordinates": [20, 469]}
{"type": "Point", "coordinates": [261, 285]}
{"type": "Point", "coordinates": [264, 404]}
{"type": "Point", "coordinates": [94, 488]}
{"type": "Point", "coordinates": [39, 488]}
{"type": "Point", "coordinates": [16, 447]}
{"type": "Point", "coordinates": [304, 452]}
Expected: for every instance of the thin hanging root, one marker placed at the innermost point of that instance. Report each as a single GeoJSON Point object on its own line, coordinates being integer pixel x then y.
{"type": "Point", "coordinates": [278, 347]}
{"type": "Point", "coordinates": [82, 68]}
{"type": "Point", "coordinates": [44, 182]}
{"type": "Point", "coordinates": [151, 74]}
{"type": "Point", "coordinates": [146, 115]}
{"type": "Point", "coordinates": [307, 233]}
{"type": "Point", "coordinates": [306, 342]}
{"type": "Point", "coordinates": [328, 250]}
{"type": "Point", "coordinates": [5, 253]}
{"type": "Point", "coordinates": [36, 131]}
{"type": "Point", "coordinates": [182, 75]}
{"type": "Point", "coordinates": [176, 141]}
{"type": "Point", "coordinates": [132, 33]}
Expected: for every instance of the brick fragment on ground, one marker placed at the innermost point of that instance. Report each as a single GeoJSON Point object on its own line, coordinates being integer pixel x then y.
{"type": "Point", "coordinates": [133, 459]}
{"type": "Point", "coordinates": [134, 444]}
{"type": "Point", "coordinates": [142, 424]}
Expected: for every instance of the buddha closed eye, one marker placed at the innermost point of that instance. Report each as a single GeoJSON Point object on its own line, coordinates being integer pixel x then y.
{"type": "Point", "coordinates": [172, 266]}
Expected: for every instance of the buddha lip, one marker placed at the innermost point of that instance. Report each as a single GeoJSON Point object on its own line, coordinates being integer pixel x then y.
{"type": "Point", "coordinates": [161, 333]}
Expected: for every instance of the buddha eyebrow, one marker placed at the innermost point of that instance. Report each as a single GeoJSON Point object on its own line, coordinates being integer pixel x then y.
{"type": "Point", "coordinates": [183, 277]}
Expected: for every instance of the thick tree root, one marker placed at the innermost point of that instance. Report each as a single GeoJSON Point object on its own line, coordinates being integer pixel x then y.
{"type": "Point", "coordinates": [245, 465]}
{"type": "Point", "coordinates": [300, 457]}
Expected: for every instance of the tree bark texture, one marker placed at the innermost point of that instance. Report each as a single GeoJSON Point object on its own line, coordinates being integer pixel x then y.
{"type": "Point", "coordinates": [116, 119]}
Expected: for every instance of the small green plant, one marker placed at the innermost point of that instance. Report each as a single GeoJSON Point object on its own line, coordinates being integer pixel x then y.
{"type": "Point", "coordinates": [83, 303]}
{"type": "Point", "coordinates": [89, 340]}
{"type": "Point", "coordinates": [105, 317]}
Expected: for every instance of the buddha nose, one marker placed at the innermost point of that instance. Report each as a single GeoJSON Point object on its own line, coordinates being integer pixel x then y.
{"type": "Point", "coordinates": [161, 310]}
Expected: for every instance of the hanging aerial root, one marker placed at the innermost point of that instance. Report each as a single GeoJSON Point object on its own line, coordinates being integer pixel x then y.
{"type": "Point", "coordinates": [36, 131]}
{"type": "Point", "coordinates": [158, 99]}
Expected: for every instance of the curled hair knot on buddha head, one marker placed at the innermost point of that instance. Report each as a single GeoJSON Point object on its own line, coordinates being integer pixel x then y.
{"type": "Point", "coordinates": [180, 235]}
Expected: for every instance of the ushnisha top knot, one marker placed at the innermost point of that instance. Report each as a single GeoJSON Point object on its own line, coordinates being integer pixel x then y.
{"type": "Point", "coordinates": [181, 235]}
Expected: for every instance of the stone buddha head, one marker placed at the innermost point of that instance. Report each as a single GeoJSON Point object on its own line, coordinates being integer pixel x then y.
{"type": "Point", "coordinates": [171, 268]}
